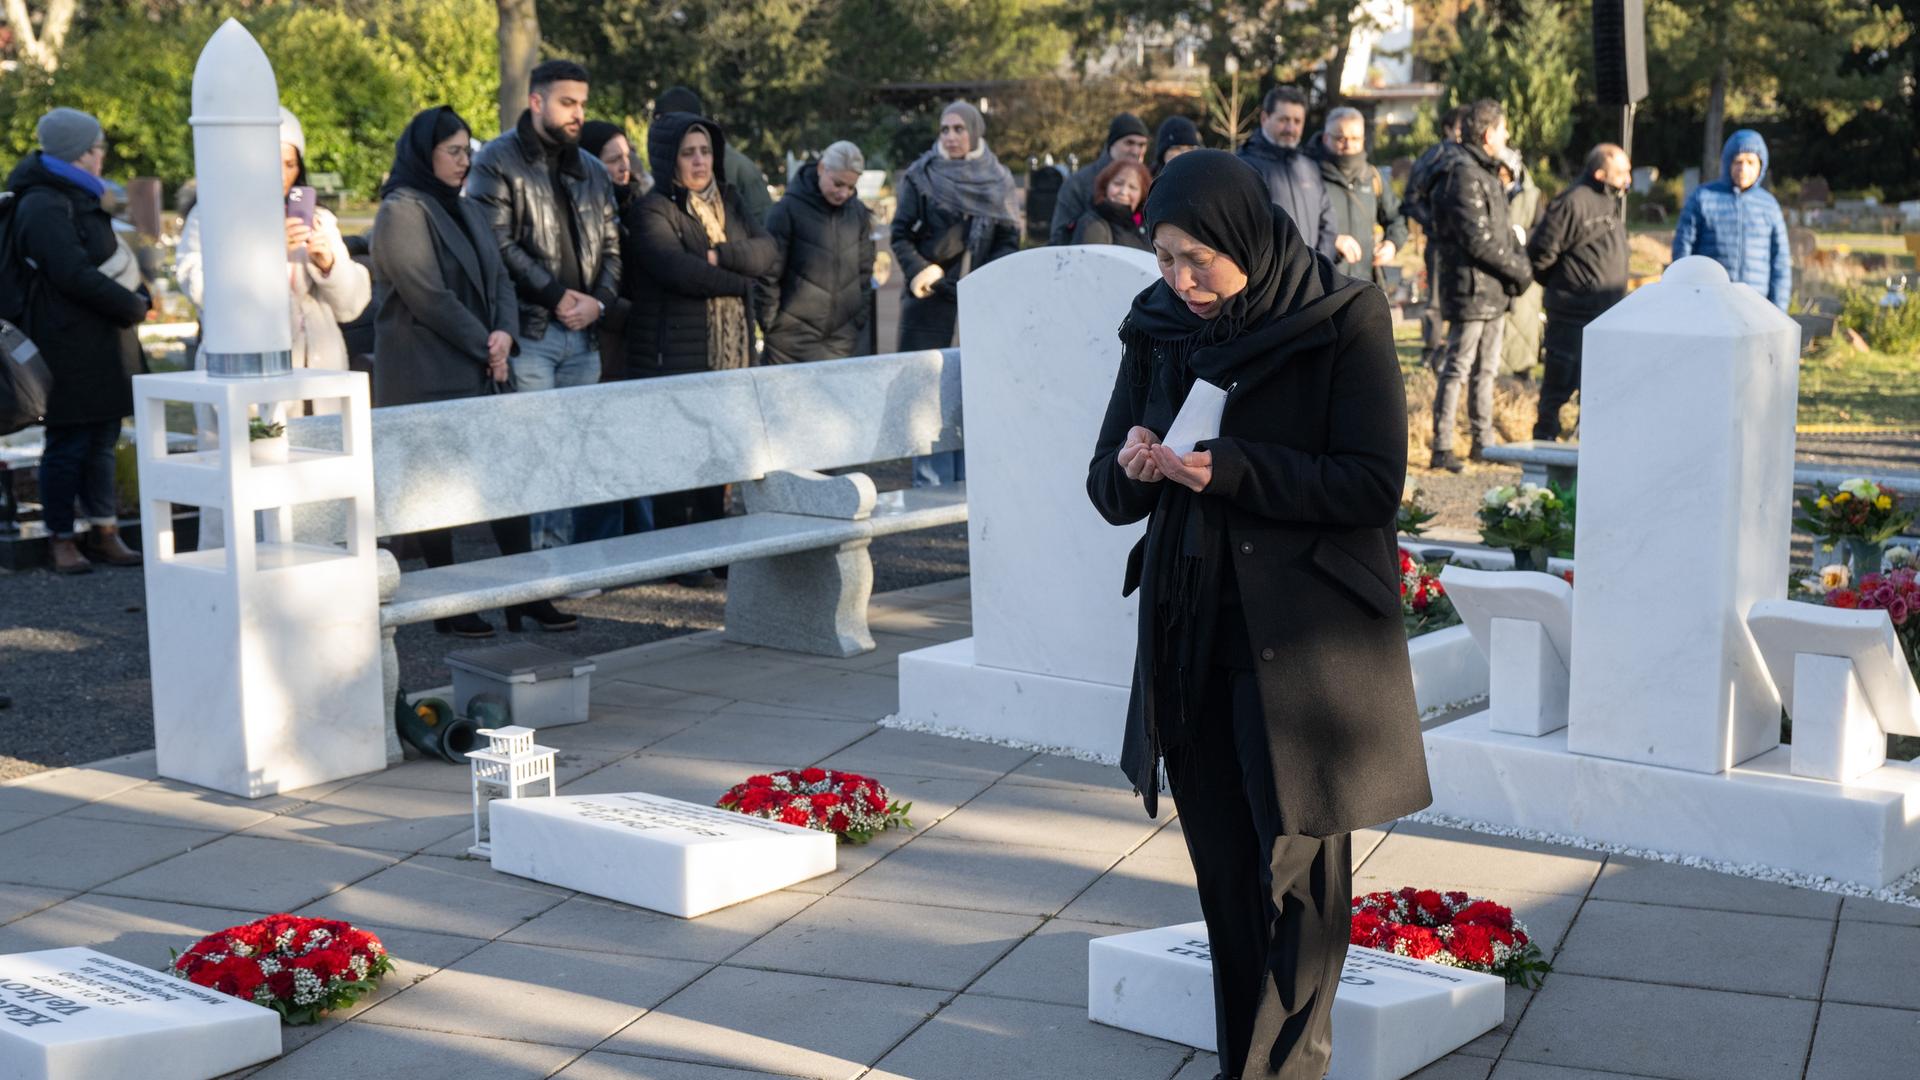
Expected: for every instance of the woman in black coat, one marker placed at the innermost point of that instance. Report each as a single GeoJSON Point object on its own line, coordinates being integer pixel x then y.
{"type": "Point", "coordinates": [1271, 670]}
{"type": "Point", "coordinates": [954, 215]}
{"type": "Point", "coordinates": [448, 315]}
{"type": "Point", "coordinates": [85, 324]}
{"type": "Point", "coordinates": [813, 303]}
{"type": "Point", "coordinates": [1119, 192]}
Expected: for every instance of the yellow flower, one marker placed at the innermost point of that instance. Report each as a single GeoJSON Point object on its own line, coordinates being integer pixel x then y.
{"type": "Point", "coordinates": [1842, 497]}
{"type": "Point", "coordinates": [1824, 502]}
{"type": "Point", "coordinates": [1884, 502]}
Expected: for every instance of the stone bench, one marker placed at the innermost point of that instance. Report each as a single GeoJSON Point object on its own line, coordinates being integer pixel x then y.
{"type": "Point", "coordinates": [1844, 681]}
{"type": "Point", "coordinates": [1523, 624]}
{"type": "Point", "coordinates": [801, 573]}
{"type": "Point", "coordinates": [1559, 463]}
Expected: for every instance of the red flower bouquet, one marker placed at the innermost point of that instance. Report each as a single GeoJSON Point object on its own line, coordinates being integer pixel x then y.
{"type": "Point", "coordinates": [1424, 606]}
{"type": "Point", "coordinates": [299, 968]}
{"type": "Point", "coordinates": [851, 806]}
{"type": "Point", "coordinates": [1449, 928]}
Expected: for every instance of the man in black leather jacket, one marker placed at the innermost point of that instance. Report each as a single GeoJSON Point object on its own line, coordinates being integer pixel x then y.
{"type": "Point", "coordinates": [1483, 265]}
{"type": "Point", "coordinates": [1579, 252]}
{"type": "Point", "coordinates": [552, 209]}
{"type": "Point", "coordinates": [1293, 179]}
{"type": "Point", "coordinates": [1415, 204]}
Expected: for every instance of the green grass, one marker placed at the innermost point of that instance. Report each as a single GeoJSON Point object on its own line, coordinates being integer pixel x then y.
{"type": "Point", "coordinates": [1841, 386]}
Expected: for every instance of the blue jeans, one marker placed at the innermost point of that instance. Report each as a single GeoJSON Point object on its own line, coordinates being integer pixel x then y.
{"type": "Point", "coordinates": [947, 467]}
{"type": "Point", "coordinates": [558, 359]}
{"type": "Point", "coordinates": [78, 464]}
{"type": "Point", "coordinates": [604, 521]}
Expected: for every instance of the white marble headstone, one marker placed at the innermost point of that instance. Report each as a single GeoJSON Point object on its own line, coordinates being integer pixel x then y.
{"type": "Point", "coordinates": [662, 854]}
{"type": "Point", "coordinates": [76, 1014]}
{"type": "Point", "coordinates": [1392, 1016]}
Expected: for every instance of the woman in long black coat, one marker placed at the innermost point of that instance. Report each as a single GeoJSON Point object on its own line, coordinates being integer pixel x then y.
{"type": "Point", "coordinates": [813, 303]}
{"type": "Point", "coordinates": [954, 214]}
{"type": "Point", "coordinates": [448, 315]}
{"type": "Point", "coordinates": [1271, 671]}
{"type": "Point", "coordinates": [85, 324]}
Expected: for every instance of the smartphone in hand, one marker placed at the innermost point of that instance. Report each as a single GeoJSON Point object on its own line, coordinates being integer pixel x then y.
{"type": "Point", "coordinates": [300, 204]}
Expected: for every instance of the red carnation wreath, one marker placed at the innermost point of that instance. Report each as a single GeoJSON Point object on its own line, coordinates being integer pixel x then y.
{"type": "Point", "coordinates": [299, 968]}
{"type": "Point", "coordinates": [848, 805]}
{"type": "Point", "coordinates": [1449, 928]}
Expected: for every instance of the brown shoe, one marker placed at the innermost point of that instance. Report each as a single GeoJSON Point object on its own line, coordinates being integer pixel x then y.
{"type": "Point", "coordinates": [67, 558]}
{"type": "Point", "coordinates": [105, 545]}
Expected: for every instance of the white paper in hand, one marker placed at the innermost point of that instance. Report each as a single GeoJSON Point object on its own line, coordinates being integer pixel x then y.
{"type": "Point", "coordinates": [1199, 418]}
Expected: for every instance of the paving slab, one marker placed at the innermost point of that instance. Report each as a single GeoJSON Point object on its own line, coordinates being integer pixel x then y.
{"type": "Point", "coordinates": [1455, 1067]}
{"type": "Point", "coordinates": [1204, 1066]}
{"type": "Point", "coordinates": [621, 729]}
{"type": "Point", "coordinates": [433, 774]}
{"type": "Point", "coordinates": [253, 872]}
{"type": "Point", "coordinates": [772, 1021]}
{"type": "Point", "coordinates": [936, 948]}
{"type": "Point", "coordinates": [1853, 908]}
{"type": "Point", "coordinates": [1698, 947]}
{"type": "Point", "coordinates": [935, 622]}
{"type": "Point", "coordinates": [912, 753]}
{"type": "Point", "coordinates": [416, 954]}
{"type": "Point", "coordinates": [13, 819]}
{"type": "Point", "coordinates": [59, 790]}
{"type": "Point", "coordinates": [642, 696]}
{"type": "Point", "coordinates": [593, 924]}
{"type": "Point", "coordinates": [354, 1050]}
{"type": "Point", "coordinates": [463, 897]}
{"type": "Point", "coordinates": [1611, 1025]}
{"type": "Point", "coordinates": [604, 1066]}
{"type": "Point", "coordinates": [707, 670]}
{"type": "Point", "coordinates": [1082, 818]}
{"type": "Point", "coordinates": [531, 993]}
{"type": "Point", "coordinates": [980, 877]}
{"type": "Point", "coordinates": [1644, 881]}
{"type": "Point", "coordinates": [1049, 966]}
{"type": "Point", "coordinates": [375, 817]}
{"type": "Point", "coordinates": [857, 694]}
{"type": "Point", "coordinates": [184, 806]}
{"type": "Point", "coordinates": [1875, 964]}
{"type": "Point", "coordinates": [978, 1037]}
{"type": "Point", "coordinates": [800, 742]}
{"type": "Point", "coordinates": [1856, 1041]}
{"type": "Point", "coordinates": [1426, 856]}
{"type": "Point", "coordinates": [1140, 893]}
{"type": "Point", "coordinates": [694, 780]}
{"type": "Point", "coordinates": [1058, 770]}
{"type": "Point", "coordinates": [137, 931]}
{"type": "Point", "coordinates": [79, 853]}
{"type": "Point", "coordinates": [1527, 1070]}
{"type": "Point", "coordinates": [19, 901]}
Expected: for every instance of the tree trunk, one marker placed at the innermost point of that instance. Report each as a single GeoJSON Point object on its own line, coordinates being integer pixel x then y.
{"type": "Point", "coordinates": [519, 52]}
{"type": "Point", "coordinates": [1716, 121]}
{"type": "Point", "coordinates": [42, 46]}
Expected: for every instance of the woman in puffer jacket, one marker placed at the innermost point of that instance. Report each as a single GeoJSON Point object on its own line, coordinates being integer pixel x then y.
{"type": "Point", "coordinates": [813, 302]}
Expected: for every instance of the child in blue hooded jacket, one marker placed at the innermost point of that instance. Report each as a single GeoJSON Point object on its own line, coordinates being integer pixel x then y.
{"type": "Point", "coordinates": [1738, 224]}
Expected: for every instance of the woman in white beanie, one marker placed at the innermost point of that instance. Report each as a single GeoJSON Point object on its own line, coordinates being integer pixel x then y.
{"type": "Point", "coordinates": [328, 287]}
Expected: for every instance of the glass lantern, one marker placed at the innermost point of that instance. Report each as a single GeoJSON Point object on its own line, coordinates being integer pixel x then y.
{"type": "Point", "coordinates": [509, 767]}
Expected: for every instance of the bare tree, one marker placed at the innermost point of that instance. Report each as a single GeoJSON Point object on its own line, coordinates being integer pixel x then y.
{"type": "Point", "coordinates": [519, 51]}
{"type": "Point", "coordinates": [42, 45]}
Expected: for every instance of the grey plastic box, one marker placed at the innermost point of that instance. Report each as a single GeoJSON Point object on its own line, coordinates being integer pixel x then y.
{"type": "Point", "coordinates": [542, 687]}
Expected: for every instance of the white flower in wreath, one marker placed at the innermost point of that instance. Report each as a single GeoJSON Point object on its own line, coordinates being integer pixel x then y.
{"type": "Point", "coordinates": [1835, 576]}
{"type": "Point", "coordinates": [1897, 557]}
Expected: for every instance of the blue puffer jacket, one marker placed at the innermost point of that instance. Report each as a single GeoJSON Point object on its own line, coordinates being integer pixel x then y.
{"type": "Point", "coordinates": [1741, 230]}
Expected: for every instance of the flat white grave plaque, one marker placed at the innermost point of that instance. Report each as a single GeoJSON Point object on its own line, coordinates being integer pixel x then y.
{"type": "Point", "coordinates": [1392, 1017]}
{"type": "Point", "coordinates": [663, 854]}
{"type": "Point", "coordinates": [75, 1014]}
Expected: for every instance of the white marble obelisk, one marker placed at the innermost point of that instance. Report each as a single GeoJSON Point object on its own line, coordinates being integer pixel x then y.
{"type": "Point", "coordinates": [1687, 408]}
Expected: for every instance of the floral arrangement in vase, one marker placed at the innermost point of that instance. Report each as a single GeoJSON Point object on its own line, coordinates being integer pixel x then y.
{"type": "Point", "coordinates": [1858, 517]}
{"type": "Point", "coordinates": [1894, 590]}
{"type": "Point", "coordinates": [1536, 522]}
{"type": "Point", "coordinates": [1414, 514]}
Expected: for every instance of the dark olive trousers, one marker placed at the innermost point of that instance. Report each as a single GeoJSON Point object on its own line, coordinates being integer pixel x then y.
{"type": "Point", "coordinates": [1278, 906]}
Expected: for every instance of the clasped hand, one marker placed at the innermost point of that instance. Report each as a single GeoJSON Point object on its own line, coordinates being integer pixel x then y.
{"type": "Point", "coordinates": [577, 310]}
{"type": "Point", "coordinates": [1148, 460]}
{"type": "Point", "coordinates": [499, 347]}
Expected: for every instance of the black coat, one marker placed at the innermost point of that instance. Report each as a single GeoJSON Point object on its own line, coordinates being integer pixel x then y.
{"type": "Point", "coordinates": [440, 298]}
{"type": "Point", "coordinates": [1294, 185]}
{"type": "Point", "coordinates": [1074, 199]}
{"type": "Point", "coordinates": [512, 181]}
{"type": "Point", "coordinates": [1579, 250]}
{"type": "Point", "coordinates": [1310, 464]}
{"type": "Point", "coordinates": [1108, 224]}
{"type": "Point", "coordinates": [924, 233]}
{"type": "Point", "coordinates": [1482, 264]}
{"type": "Point", "coordinates": [84, 322]}
{"type": "Point", "coordinates": [813, 300]}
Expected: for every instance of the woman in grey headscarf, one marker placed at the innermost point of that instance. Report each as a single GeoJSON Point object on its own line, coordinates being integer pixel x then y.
{"type": "Point", "coordinates": [954, 214]}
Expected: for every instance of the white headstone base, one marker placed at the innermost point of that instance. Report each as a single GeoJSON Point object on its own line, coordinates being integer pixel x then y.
{"type": "Point", "coordinates": [1756, 812]}
{"type": "Point", "coordinates": [662, 854]}
{"type": "Point", "coordinates": [946, 687]}
{"type": "Point", "coordinates": [1392, 1016]}
{"type": "Point", "coordinates": [76, 1014]}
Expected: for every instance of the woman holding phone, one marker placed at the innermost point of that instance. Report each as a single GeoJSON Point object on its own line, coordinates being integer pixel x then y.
{"type": "Point", "coordinates": [1271, 670]}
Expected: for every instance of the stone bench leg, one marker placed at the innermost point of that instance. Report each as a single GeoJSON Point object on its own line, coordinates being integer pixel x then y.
{"type": "Point", "coordinates": [1527, 689]}
{"type": "Point", "coordinates": [1835, 733]}
{"type": "Point", "coordinates": [813, 601]}
{"type": "Point", "coordinates": [389, 580]}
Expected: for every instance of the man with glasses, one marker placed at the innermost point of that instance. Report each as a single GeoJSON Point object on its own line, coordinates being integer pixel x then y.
{"type": "Point", "coordinates": [1361, 197]}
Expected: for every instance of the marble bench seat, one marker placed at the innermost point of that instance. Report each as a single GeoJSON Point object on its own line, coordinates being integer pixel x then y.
{"type": "Point", "coordinates": [1559, 463]}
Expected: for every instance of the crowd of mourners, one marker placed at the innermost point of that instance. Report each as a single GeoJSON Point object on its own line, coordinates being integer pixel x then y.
{"type": "Point", "coordinates": [548, 258]}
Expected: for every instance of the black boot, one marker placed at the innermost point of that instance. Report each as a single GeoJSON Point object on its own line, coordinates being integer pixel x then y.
{"type": "Point", "coordinates": [466, 626]}
{"type": "Point", "coordinates": [544, 615]}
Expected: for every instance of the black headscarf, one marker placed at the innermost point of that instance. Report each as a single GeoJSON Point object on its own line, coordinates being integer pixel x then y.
{"type": "Point", "coordinates": [413, 158]}
{"type": "Point", "coordinates": [1289, 301]}
{"type": "Point", "coordinates": [594, 137]}
{"type": "Point", "coordinates": [664, 137]}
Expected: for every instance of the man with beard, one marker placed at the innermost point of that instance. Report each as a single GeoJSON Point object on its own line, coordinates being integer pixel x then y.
{"type": "Point", "coordinates": [1579, 254]}
{"type": "Point", "coordinates": [1362, 198]}
{"type": "Point", "coordinates": [552, 210]}
{"type": "Point", "coordinates": [1292, 179]}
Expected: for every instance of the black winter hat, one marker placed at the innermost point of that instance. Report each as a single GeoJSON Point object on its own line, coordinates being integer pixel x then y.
{"type": "Point", "coordinates": [1124, 125]}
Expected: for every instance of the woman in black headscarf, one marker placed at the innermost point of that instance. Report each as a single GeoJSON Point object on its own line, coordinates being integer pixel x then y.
{"type": "Point", "coordinates": [954, 215]}
{"type": "Point", "coordinates": [1271, 671]}
{"type": "Point", "coordinates": [448, 317]}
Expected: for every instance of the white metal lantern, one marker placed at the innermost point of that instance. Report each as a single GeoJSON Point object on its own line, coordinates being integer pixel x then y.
{"type": "Point", "coordinates": [508, 768]}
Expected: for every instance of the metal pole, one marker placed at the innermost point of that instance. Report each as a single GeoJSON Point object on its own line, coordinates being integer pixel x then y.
{"type": "Point", "coordinates": [1626, 129]}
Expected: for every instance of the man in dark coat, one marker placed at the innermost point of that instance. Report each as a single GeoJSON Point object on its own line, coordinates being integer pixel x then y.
{"type": "Point", "coordinates": [1482, 266]}
{"type": "Point", "coordinates": [1362, 198]}
{"type": "Point", "coordinates": [1416, 207]}
{"type": "Point", "coordinates": [84, 301]}
{"type": "Point", "coordinates": [1579, 253]}
{"type": "Point", "coordinates": [813, 300]}
{"type": "Point", "coordinates": [1293, 180]}
{"type": "Point", "coordinates": [1127, 140]}
{"type": "Point", "coordinates": [737, 169]}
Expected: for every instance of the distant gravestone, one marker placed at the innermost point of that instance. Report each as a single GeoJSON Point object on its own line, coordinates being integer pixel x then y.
{"type": "Point", "coordinates": [662, 854]}
{"type": "Point", "coordinates": [1802, 243]}
{"type": "Point", "coordinates": [76, 1014]}
{"type": "Point", "coordinates": [1393, 1015]}
{"type": "Point", "coordinates": [1815, 192]}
